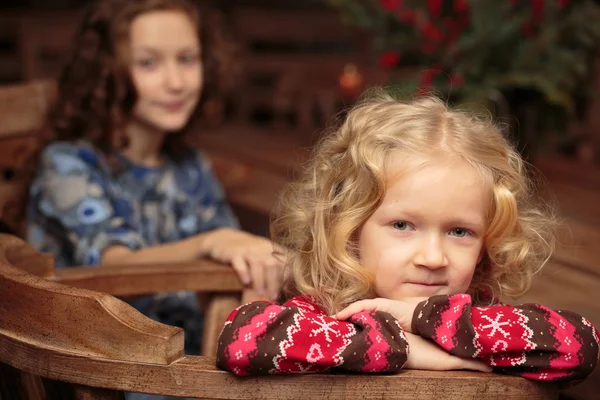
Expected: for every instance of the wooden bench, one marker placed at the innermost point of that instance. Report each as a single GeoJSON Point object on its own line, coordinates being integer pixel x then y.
{"type": "Point", "coordinates": [100, 346]}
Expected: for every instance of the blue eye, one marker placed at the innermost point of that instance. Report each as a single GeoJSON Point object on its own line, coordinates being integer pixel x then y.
{"type": "Point", "coordinates": [146, 63]}
{"type": "Point", "coordinates": [189, 59]}
{"type": "Point", "coordinates": [402, 226]}
{"type": "Point", "coordinates": [459, 232]}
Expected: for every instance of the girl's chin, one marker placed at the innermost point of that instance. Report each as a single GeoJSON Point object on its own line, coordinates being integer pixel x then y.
{"type": "Point", "coordinates": [417, 294]}
{"type": "Point", "coordinates": [169, 126]}
{"type": "Point", "coordinates": [164, 121]}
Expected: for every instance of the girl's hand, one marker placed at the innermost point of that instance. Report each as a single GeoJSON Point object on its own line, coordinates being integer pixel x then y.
{"type": "Point", "coordinates": [251, 256]}
{"type": "Point", "coordinates": [401, 310]}
{"type": "Point", "coordinates": [426, 355]}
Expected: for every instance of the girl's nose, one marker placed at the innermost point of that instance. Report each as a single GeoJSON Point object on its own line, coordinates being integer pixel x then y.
{"type": "Point", "coordinates": [174, 77]}
{"type": "Point", "coordinates": [431, 252]}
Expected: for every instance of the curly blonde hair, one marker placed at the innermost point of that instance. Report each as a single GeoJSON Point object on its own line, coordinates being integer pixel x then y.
{"type": "Point", "coordinates": [319, 215]}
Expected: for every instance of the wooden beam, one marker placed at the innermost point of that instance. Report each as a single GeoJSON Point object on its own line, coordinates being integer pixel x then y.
{"type": "Point", "coordinates": [199, 377]}
{"type": "Point", "coordinates": [200, 276]}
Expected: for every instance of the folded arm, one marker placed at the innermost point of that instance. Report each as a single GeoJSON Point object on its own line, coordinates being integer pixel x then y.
{"type": "Point", "coordinates": [298, 337]}
{"type": "Point", "coordinates": [530, 340]}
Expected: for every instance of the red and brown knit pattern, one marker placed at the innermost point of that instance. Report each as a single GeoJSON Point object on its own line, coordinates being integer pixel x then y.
{"type": "Point", "coordinates": [529, 340]}
{"type": "Point", "coordinates": [299, 337]}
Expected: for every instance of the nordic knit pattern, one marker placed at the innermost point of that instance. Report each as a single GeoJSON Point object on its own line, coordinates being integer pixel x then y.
{"type": "Point", "coordinates": [530, 340]}
{"type": "Point", "coordinates": [299, 337]}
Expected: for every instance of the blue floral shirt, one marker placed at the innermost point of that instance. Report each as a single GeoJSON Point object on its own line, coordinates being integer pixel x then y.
{"type": "Point", "coordinates": [77, 208]}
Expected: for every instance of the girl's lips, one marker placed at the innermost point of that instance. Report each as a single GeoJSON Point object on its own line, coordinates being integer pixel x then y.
{"type": "Point", "coordinates": [426, 289]}
{"type": "Point", "coordinates": [173, 106]}
{"type": "Point", "coordinates": [426, 284]}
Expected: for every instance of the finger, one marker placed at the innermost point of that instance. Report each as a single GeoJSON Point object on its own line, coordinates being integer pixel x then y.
{"type": "Point", "coordinates": [473, 365]}
{"type": "Point", "coordinates": [279, 260]}
{"type": "Point", "coordinates": [257, 272]}
{"type": "Point", "coordinates": [355, 308]}
{"type": "Point", "coordinates": [214, 253]}
{"type": "Point", "coordinates": [278, 250]}
{"type": "Point", "coordinates": [478, 365]}
{"type": "Point", "coordinates": [276, 247]}
{"type": "Point", "coordinates": [241, 268]}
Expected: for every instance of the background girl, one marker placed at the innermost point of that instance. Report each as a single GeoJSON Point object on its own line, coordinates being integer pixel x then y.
{"type": "Point", "coordinates": [119, 185]}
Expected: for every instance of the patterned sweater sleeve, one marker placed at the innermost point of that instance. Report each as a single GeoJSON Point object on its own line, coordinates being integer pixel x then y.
{"type": "Point", "coordinates": [530, 340]}
{"type": "Point", "coordinates": [299, 337]}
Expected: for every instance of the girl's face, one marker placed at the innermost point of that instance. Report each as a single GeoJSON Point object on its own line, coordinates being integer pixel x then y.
{"type": "Point", "coordinates": [166, 68]}
{"type": "Point", "coordinates": [426, 237]}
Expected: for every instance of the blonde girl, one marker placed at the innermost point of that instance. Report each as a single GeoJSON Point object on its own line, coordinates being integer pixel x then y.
{"type": "Point", "coordinates": [408, 223]}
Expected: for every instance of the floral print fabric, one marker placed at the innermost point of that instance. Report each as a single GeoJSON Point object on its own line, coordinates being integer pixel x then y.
{"type": "Point", "coordinates": [78, 208]}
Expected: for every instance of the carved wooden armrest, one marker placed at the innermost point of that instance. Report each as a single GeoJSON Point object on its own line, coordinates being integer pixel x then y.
{"type": "Point", "coordinates": [200, 276]}
{"type": "Point", "coordinates": [219, 284]}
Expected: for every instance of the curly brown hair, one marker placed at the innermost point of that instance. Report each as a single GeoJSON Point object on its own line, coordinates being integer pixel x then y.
{"type": "Point", "coordinates": [96, 94]}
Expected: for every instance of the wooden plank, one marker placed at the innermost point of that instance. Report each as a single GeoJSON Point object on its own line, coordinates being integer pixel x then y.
{"type": "Point", "coordinates": [331, 64]}
{"type": "Point", "coordinates": [280, 151]}
{"type": "Point", "coordinates": [219, 307]}
{"type": "Point", "coordinates": [257, 23]}
{"type": "Point", "coordinates": [198, 377]}
{"type": "Point", "coordinates": [575, 201]}
{"type": "Point", "coordinates": [17, 153]}
{"type": "Point", "coordinates": [561, 169]}
{"type": "Point", "coordinates": [200, 275]}
{"type": "Point", "coordinates": [560, 286]}
{"type": "Point", "coordinates": [320, 68]}
{"type": "Point", "coordinates": [578, 246]}
{"type": "Point", "coordinates": [13, 197]}
{"type": "Point", "coordinates": [46, 40]}
{"type": "Point", "coordinates": [10, 69]}
{"type": "Point", "coordinates": [258, 194]}
{"type": "Point", "coordinates": [36, 263]}
{"type": "Point", "coordinates": [23, 107]}
{"type": "Point", "coordinates": [37, 310]}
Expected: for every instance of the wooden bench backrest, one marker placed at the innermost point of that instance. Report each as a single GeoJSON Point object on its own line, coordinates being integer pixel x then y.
{"type": "Point", "coordinates": [41, 308]}
{"type": "Point", "coordinates": [23, 111]}
{"type": "Point", "coordinates": [94, 340]}
{"type": "Point", "coordinates": [46, 41]}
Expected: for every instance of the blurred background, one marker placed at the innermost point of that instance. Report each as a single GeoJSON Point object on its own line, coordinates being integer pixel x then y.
{"type": "Point", "coordinates": [535, 65]}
